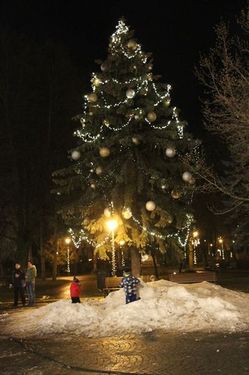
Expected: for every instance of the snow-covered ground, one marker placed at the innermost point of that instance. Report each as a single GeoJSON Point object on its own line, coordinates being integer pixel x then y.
{"type": "Point", "coordinates": [163, 305]}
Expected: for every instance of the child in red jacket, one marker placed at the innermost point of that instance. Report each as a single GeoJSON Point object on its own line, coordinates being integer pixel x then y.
{"type": "Point", "coordinates": [75, 290]}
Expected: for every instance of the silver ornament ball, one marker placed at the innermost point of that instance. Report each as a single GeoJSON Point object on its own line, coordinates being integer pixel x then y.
{"type": "Point", "coordinates": [75, 155]}
{"type": "Point", "coordinates": [104, 152]}
{"type": "Point", "coordinates": [170, 152]}
{"type": "Point", "coordinates": [130, 93]}
{"type": "Point", "coordinates": [186, 176]}
{"type": "Point", "coordinates": [150, 206]}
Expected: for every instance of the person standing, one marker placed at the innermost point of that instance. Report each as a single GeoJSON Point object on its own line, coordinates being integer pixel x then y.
{"type": "Point", "coordinates": [31, 274]}
{"type": "Point", "coordinates": [75, 290]}
{"type": "Point", "coordinates": [130, 284]}
{"type": "Point", "coordinates": [18, 283]}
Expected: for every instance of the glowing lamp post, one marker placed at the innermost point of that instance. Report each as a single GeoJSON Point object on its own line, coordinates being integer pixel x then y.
{"type": "Point", "coordinates": [195, 242]}
{"type": "Point", "coordinates": [68, 241]}
{"type": "Point", "coordinates": [112, 225]}
{"type": "Point", "coordinates": [220, 240]}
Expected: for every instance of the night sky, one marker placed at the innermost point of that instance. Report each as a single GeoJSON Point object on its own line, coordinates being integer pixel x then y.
{"type": "Point", "coordinates": [176, 32]}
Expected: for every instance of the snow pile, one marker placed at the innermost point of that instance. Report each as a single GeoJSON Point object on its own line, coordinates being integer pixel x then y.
{"type": "Point", "coordinates": [163, 305]}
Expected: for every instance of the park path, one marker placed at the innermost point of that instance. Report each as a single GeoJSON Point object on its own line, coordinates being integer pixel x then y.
{"type": "Point", "coordinates": [155, 353]}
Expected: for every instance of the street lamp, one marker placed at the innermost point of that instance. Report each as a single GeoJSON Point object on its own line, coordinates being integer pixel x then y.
{"type": "Point", "coordinates": [68, 241]}
{"type": "Point", "coordinates": [195, 242]}
{"type": "Point", "coordinates": [112, 225]}
{"type": "Point", "coordinates": [220, 240]}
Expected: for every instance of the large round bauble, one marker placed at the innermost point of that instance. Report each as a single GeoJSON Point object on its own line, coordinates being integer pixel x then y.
{"type": "Point", "coordinates": [170, 152]}
{"type": "Point", "coordinates": [130, 93]}
{"type": "Point", "coordinates": [107, 212]}
{"type": "Point", "coordinates": [75, 155]}
{"type": "Point", "coordinates": [104, 152]}
{"type": "Point", "coordinates": [126, 213]}
{"type": "Point", "coordinates": [135, 140]}
{"type": "Point", "coordinates": [92, 97]}
{"type": "Point", "coordinates": [151, 116]}
{"type": "Point", "coordinates": [175, 194]}
{"type": "Point", "coordinates": [132, 44]}
{"type": "Point", "coordinates": [186, 176]}
{"type": "Point", "coordinates": [98, 170]}
{"type": "Point", "coordinates": [150, 206]}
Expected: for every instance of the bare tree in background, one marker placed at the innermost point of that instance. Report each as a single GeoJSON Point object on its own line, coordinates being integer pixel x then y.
{"type": "Point", "coordinates": [224, 75]}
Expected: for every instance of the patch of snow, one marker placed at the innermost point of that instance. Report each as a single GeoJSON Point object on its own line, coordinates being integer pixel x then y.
{"type": "Point", "coordinates": [163, 305]}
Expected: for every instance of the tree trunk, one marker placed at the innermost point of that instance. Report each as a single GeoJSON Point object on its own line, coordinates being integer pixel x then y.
{"type": "Point", "coordinates": [75, 268]}
{"type": "Point", "coordinates": [135, 262]}
{"type": "Point", "coordinates": [1, 269]}
{"type": "Point", "coordinates": [54, 272]}
{"type": "Point", "coordinates": [94, 257]}
{"type": "Point", "coordinates": [154, 264]}
{"type": "Point", "coordinates": [43, 265]}
{"type": "Point", "coordinates": [190, 256]}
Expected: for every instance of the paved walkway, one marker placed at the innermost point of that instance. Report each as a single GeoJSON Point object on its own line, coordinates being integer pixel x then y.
{"type": "Point", "coordinates": [148, 354]}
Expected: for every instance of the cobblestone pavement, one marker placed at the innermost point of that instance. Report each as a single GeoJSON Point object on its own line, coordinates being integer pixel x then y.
{"type": "Point", "coordinates": [155, 353]}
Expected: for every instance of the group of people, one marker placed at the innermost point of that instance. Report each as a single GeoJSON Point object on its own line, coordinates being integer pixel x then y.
{"type": "Point", "coordinates": [129, 283]}
{"type": "Point", "coordinates": [24, 281]}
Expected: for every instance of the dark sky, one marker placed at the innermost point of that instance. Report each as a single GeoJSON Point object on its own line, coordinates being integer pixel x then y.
{"type": "Point", "coordinates": [174, 31]}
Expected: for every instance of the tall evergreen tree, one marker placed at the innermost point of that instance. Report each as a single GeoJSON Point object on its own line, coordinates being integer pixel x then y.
{"type": "Point", "coordinates": [128, 164]}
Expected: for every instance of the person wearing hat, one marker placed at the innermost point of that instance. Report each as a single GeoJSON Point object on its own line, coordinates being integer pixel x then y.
{"type": "Point", "coordinates": [75, 290]}
{"type": "Point", "coordinates": [130, 284]}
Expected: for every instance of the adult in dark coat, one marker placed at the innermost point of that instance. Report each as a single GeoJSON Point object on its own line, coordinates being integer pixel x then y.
{"type": "Point", "coordinates": [18, 283]}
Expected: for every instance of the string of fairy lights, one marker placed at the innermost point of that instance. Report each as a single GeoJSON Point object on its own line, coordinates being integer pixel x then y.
{"type": "Point", "coordinates": [82, 236]}
{"type": "Point", "coordinates": [187, 228]}
{"type": "Point", "coordinates": [116, 39]}
{"type": "Point", "coordinates": [87, 137]}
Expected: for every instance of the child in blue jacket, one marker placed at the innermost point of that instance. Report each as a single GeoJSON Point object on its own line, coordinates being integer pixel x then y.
{"type": "Point", "coordinates": [130, 284]}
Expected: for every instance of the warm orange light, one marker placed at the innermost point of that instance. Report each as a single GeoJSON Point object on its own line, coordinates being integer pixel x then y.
{"type": "Point", "coordinates": [112, 224]}
{"type": "Point", "coordinates": [67, 240]}
{"type": "Point", "coordinates": [195, 233]}
{"type": "Point", "coordinates": [220, 239]}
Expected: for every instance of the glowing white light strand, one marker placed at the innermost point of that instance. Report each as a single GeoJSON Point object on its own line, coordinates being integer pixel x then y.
{"type": "Point", "coordinates": [122, 259]}
{"type": "Point", "coordinates": [68, 260]}
{"type": "Point", "coordinates": [114, 80]}
{"type": "Point", "coordinates": [116, 40]}
{"type": "Point", "coordinates": [124, 101]}
{"type": "Point", "coordinates": [177, 235]}
{"type": "Point", "coordinates": [179, 126]}
{"type": "Point", "coordinates": [83, 237]}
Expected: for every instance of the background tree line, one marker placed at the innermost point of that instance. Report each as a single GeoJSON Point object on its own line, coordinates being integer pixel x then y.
{"type": "Point", "coordinates": [40, 91]}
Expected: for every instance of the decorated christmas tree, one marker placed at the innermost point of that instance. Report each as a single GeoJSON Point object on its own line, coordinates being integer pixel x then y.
{"type": "Point", "coordinates": [127, 182]}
